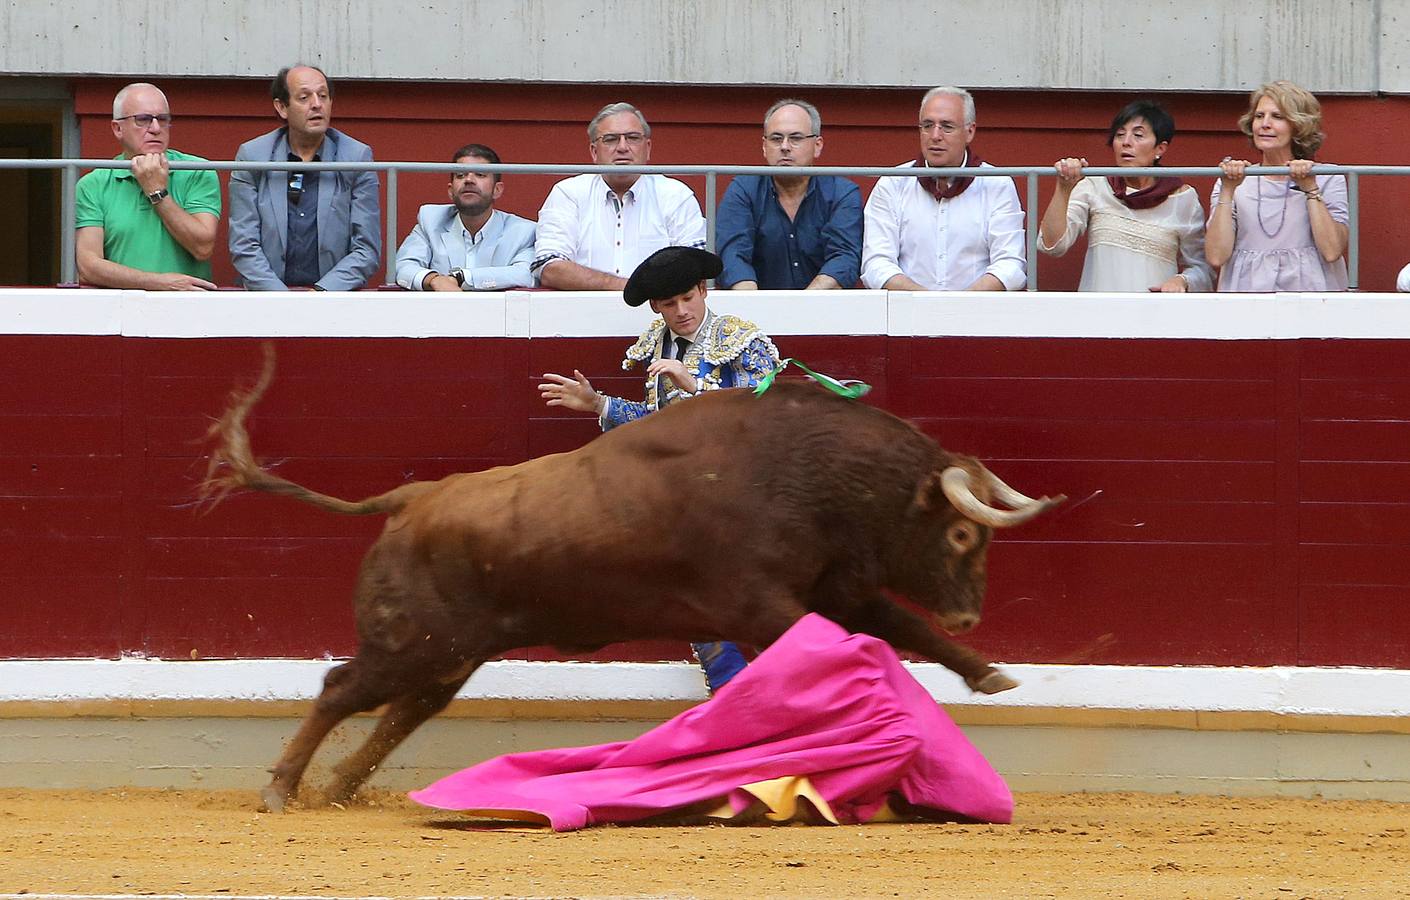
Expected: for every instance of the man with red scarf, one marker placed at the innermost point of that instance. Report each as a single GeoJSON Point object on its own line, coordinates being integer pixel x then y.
{"type": "Point", "coordinates": [941, 233]}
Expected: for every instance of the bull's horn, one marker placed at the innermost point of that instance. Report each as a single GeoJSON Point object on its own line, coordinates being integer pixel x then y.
{"type": "Point", "coordinates": [1007, 495]}
{"type": "Point", "coordinates": [955, 481]}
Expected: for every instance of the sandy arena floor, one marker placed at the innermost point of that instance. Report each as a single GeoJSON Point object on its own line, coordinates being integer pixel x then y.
{"type": "Point", "coordinates": [1070, 845]}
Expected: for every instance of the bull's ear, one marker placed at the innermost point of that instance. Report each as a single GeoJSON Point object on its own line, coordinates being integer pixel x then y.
{"type": "Point", "coordinates": [930, 494]}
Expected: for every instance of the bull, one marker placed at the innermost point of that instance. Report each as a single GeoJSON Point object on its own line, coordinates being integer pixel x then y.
{"type": "Point", "coordinates": [729, 516]}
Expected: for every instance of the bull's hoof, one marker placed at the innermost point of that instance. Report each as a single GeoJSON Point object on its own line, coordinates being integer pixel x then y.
{"type": "Point", "coordinates": [273, 799]}
{"type": "Point", "coordinates": [993, 683]}
{"type": "Point", "coordinates": [339, 794]}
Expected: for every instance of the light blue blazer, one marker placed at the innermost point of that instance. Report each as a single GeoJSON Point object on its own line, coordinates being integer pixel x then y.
{"type": "Point", "coordinates": [349, 216]}
{"type": "Point", "coordinates": [437, 244]}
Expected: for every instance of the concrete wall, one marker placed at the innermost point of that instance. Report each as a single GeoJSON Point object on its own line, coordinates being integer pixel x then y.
{"type": "Point", "coordinates": [1350, 46]}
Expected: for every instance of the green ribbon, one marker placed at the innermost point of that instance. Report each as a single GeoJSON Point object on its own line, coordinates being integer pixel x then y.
{"type": "Point", "coordinates": [849, 389]}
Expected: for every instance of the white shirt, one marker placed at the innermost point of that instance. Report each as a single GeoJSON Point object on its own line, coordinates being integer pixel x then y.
{"type": "Point", "coordinates": [943, 245]}
{"type": "Point", "coordinates": [1135, 249]}
{"type": "Point", "coordinates": [470, 243]}
{"type": "Point", "coordinates": [584, 221]}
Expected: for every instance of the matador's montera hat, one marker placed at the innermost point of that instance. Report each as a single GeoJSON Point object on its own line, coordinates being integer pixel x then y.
{"type": "Point", "coordinates": [668, 272]}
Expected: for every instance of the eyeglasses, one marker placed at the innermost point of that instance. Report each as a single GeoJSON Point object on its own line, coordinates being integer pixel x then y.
{"type": "Point", "coordinates": [612, 139]}
{"type": "Point", "coordinates": [145, 120]}
{"type": "Point", "coordinates": [296, 187]}
{"type": "Point", "coordinates": [790, 140]}
{"type": "Point", "coordinates": [945, 127]}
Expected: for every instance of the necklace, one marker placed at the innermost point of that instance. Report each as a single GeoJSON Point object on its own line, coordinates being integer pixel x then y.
{"type": "Point", "coordinates": [1283, 213]}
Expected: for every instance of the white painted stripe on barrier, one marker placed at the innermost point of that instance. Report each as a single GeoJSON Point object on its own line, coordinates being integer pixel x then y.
{"type": "Point", "coordinates": [308, 313]}
{"type": "Point", "coordinates": [1331, 316]}
{"type": "Point", "coordinates": [1198, 316]}
{"type": "Point", "coordinates": [1284, 689]}
{"type": "Point", "coordinates": [39, 311]}
{"type": "Point", "coordinates": [563, 314]}
{"type": "Point", "coordinates": [299, 679]}
{"type": "Point", "coordinates": [590, 314]}
{"type": "Point", "coordinates": [779, 313]}
{"type": "Point", "coordinates": [782, 313]}
{"type": "Point", "coordinates": [1081, 315]}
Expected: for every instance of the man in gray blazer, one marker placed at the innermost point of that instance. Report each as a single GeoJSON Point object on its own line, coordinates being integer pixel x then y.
{"type": "Point", "coordinates": [304, 229]}
{"type": "Point", "coordinates": [467, 244]}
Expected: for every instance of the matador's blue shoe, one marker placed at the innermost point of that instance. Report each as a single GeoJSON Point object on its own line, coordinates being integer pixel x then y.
{"type": "Point", "coordinates": [721, 661]}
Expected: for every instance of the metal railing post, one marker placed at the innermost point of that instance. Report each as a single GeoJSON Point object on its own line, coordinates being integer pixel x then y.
{"type": "Point", "coordinates": [1353, 242]}
{"type": "Point", "coordinates": [68, 263]}
{"type": "Point", "coordinates": [389, 240]}
{"type": "Point", "coordinates": [710, 210]}
{"type": "Point", "coordinates": [1030, 221]}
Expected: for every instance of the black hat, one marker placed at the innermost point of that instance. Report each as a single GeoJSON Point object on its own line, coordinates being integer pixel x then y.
{"type": "Point", "coordinates": [668, 272]}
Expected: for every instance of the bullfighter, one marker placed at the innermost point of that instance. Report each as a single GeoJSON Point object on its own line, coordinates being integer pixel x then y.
{"type": "Point", "coordinates": [687, 350]}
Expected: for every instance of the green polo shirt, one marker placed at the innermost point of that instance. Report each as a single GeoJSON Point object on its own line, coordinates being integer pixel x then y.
{"type": "Point", "coordinates": [133, 233]}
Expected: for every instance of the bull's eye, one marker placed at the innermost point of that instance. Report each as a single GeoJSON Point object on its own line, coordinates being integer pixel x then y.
{"type": "Point", "coordinates": [961, 537]}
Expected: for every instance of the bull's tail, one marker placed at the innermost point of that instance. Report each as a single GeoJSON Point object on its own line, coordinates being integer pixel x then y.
{"type": "Point", "coordinates": [233, 466]}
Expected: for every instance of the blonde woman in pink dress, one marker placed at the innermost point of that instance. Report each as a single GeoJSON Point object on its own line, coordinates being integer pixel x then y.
{"type": "Point", "coordinates": [1277, 232]}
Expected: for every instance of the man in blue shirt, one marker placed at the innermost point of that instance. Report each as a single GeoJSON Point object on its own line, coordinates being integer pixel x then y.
{"type": "Point", "coordinates": [790, 232]}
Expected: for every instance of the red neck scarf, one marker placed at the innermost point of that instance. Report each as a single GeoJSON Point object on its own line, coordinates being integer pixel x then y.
{"type": "Point", "coordinates": [937, 187]}
{"type": "Point", "coordinates": [1146, 197]}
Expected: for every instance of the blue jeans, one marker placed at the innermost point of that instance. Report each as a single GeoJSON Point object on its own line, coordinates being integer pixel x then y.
{"type": "Point", "coordinates": [721, 661]}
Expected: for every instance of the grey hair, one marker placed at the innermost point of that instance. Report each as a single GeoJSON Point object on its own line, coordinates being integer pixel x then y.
{"type": "Point", "coordinates": [613, 109]}
{"type": "Point", "coordinates": [814, 117]}
{"type": "Point", "coordinates": [952, 91]}
{"type": "Point", "coordinates": [121, 97]}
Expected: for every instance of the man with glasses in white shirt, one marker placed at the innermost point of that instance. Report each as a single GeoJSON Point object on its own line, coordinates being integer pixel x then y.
{"type": "Point", "coordinates": [148, 227]}
{"type": "Point", "coordinates": [594, 230]}
{"type": "Point", "coordinates": [944, 234]}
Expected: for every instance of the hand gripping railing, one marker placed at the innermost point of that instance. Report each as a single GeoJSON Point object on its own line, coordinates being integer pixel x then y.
{"type": "Point", "coordinates": [1031, 174]}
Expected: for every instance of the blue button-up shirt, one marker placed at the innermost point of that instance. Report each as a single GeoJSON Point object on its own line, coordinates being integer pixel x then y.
{"type": "Point", "coordinates": [758, 242]}
{"type": "Point", "coordinates": [301, 256]}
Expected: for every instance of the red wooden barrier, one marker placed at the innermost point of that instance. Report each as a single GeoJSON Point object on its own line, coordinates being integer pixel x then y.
{"type": "Point", "coordinates": [1252, 507]}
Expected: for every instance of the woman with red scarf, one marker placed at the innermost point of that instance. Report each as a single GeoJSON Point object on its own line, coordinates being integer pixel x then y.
{"type": "Point", "coordinates": [1145, 233]}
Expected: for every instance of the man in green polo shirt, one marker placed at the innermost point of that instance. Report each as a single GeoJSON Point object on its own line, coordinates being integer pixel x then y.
{"type": "Point", "coordinates": [150, 228]}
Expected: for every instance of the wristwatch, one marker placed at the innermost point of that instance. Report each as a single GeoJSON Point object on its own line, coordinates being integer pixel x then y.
{"type": "Point", "coordinates": [158, 196]}
{"type": "Point", "coordinates": [459, 276]}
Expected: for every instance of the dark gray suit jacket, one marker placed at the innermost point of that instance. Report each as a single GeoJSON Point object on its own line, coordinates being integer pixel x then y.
{"type": "Point", "coordinates": [349, 216]}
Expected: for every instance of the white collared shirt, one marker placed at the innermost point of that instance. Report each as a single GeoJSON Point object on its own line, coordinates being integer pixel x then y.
{"type": "Point", "coordinates": [690, 338]}
{"type": "Point", "coordinates": [943, 245]}
{"type": "Point", "coordinates": [471, 241]}
{"type": "Point", "coordinates": [584, 221]}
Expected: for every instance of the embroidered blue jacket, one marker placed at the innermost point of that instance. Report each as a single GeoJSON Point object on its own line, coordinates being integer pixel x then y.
{"type": "Point", "coordinates": [728, 352]}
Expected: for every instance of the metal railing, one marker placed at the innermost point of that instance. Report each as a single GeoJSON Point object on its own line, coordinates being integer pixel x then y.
{"type": "Point", "coordinates": [1030, 174]}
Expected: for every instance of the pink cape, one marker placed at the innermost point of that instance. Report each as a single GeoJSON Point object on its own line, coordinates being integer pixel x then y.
{"type": "Point", "coordinates": [839, 709]}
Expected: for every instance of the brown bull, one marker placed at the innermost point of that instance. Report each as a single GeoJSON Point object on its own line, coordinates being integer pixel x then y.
{"type": "Point", "coordinates": [726, 517]}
